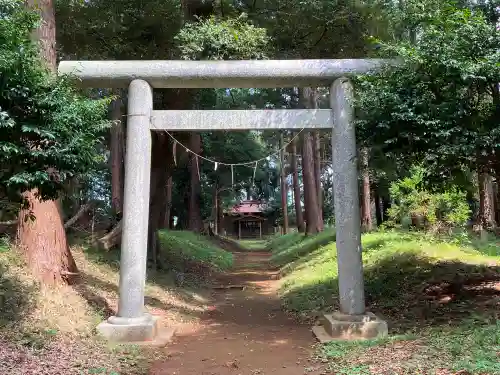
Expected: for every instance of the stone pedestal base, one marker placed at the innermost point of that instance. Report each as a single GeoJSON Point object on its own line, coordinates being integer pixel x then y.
{"type": "Point", "coordinates": [134, 330]}
{"type": "Point", "coordinates": [338, 326]}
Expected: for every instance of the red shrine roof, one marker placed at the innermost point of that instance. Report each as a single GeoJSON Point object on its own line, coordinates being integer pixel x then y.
{"type": "Point", "coordinates": [248, 207]}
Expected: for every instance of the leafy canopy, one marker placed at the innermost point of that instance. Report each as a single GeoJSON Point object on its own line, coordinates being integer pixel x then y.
{"type": "Point", "coordinates": [441, 103]}
{"type": "Point", "coordinates": [48, 131]}
{"type": "Point", "coordinates": [228, 39]}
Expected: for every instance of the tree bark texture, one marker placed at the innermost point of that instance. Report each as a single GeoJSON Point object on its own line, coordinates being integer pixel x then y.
{"type": "Point", "coordinates": [317, 174]}
{"type": "Point", "coordinates": [310, 191]}
{"type": "Point", "coordinates": [378, 207]}
{"type": "Point", "coordinates": [485, 216]}
{"type": "Point", "coordinates": [299, 217]}
{"type": "Point", "coordinates": [168, 209]}
{"type": "Point", "coordinates": [43, 241]}
{"type": "Point", "coordinates": [160, 173]}
{"type": "Point", "coordinates": [312, 212]}
{"type": "Point", "coordinates": [46, 33]}
{"type": "Point", "coordinates": [117, 148]}
{"type": "Point", "coordinates": [284, 188]}
{"type": "Point", "coordinates": [366, 206]}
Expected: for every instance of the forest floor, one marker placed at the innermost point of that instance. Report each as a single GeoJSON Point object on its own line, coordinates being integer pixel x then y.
{"type": "Point", "coordinates": [245, 332]}
{"type": "Point", "coordinates": [51, 331]}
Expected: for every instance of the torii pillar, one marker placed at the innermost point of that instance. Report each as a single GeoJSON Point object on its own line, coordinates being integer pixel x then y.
{"type": "Point", "coordinates": [132, 323]}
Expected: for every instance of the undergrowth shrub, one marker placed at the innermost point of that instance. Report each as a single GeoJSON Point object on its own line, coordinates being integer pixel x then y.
{"type": "Point", "coordinates": [435, 211]}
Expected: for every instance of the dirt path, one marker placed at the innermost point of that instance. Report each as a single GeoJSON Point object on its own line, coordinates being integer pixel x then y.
{"type": "Point", "coordinates": [245, 333]}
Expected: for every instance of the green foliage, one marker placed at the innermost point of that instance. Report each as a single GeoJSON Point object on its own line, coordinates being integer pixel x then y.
{"type": "Point", "coordinates": [214, 39]}
{"type": "Point", "coordinates": [117, 29]}
{"type": "Point", "coordinates": [185, 248]}
{"type": "Point", "coordinates": [440, 103]}
{"type": "Point", "coordinates": [413, 200]}
{"type": "Point", "coordinates": [48, 131]}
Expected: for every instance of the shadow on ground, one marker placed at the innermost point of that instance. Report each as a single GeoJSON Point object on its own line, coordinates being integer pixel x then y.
{"type": "Point", "coordinates": [245, 331]}
{"type": "Point", "coordinates": [297, 247]}
{"type": "Point", "coordinates": [411, 291]}
{"type": "Point", "coordinates": [92, 288]}
{"type": "Point", "coordinates": [16, 298]}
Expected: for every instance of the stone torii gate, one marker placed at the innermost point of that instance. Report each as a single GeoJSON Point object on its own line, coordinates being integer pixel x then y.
{"type": "Point", "coordinates": [132, 323]}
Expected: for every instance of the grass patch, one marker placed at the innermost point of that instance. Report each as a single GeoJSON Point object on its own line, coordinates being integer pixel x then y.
{"type": "Point", "coordinates": [293, 246]}
{"type": "Point", "coordinates": [186, 250]}
{"type": "Point", "coordinates": [253, 245]}
{"type": "Point", "coordinates": [56, 326]}
{"type": "Point", "coordinates": [444, 292]}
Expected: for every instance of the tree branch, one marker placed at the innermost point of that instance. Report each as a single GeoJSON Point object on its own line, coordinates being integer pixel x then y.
{"type": "Point", "coordinates": [83, 209]}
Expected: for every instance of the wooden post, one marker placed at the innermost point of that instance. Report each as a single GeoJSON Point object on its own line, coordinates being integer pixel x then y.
{"type": "Point", "coordinates": [260, 230]}
{"type": "Point", "coordinates": [239, 229]}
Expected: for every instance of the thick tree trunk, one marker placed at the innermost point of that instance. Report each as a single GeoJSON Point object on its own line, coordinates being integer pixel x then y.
{"type": "Point", "coordinates": [195, 221]}
{"type": "Point", "coordinates": [386, 205]}
{"type": "Point", "coordinates": [312, 211]}
{"type": "Point", "coordinates": [46, 33]}
{"type": "Point", "coordinates": [317, 174]}
{"type": "Point", "coordinates": [158, 198]}
{"type": "Point", "coordinates": [284, 188]}
{"type": "Point", "coordinates": [168, 209]}
{"type": "Point", "coordinates": [299, 217]}
{"type": "Point", "coordinates": [378, 207]}
{"type": "Point", "coordinates": [43, 241]}
{"type": "Point", "coordinates": [485, 218]}
{"type": "Point", "coordinates": [310, 191]}
{"type": "Point", "coordinates": [497, 193]}
{"type": "Point", "coordinates": [117, 148]}
{"type": "Point", "coordinates": [220, 214]}
{"type": "Point", "coordinates": [366, 206]}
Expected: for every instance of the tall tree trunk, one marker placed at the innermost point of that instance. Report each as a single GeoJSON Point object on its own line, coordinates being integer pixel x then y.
{"type": "Point", "coordinates": [43, 241]}
{"type": "Point", "coordinates": [366, 205]}
{"type": "Point", "coordinates": [299, 217]}
{"type": "Point", "coordinates": [194, 212]}
{"type": "Point", "coordinates": [310, 191]}
{"type": "Point", "coordinates": [378, 207]}
{"type": "Point", "coordinates": [284, 187]}
{"type": "Point", "coordinates": [168, 209]}
{"type": "Point", "coordinates": [312, 212]}
{"type": "Point", "coordinates": [317, 173]}
{"type": "Point", "coordinates": [220, 214]}
{"type": "Point", "coordinates": [117, 148]}
{"type": "Point", "coordinates": [485, 215]}
{"type": "Point", "coordinates": [160, 164]}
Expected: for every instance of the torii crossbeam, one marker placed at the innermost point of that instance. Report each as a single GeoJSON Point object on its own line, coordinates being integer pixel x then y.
{"type": "Point", "coordinates": [132, 323]}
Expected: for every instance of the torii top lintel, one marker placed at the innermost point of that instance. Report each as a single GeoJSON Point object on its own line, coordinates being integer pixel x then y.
{"type": "Point", "coordinates": [217, 74]}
